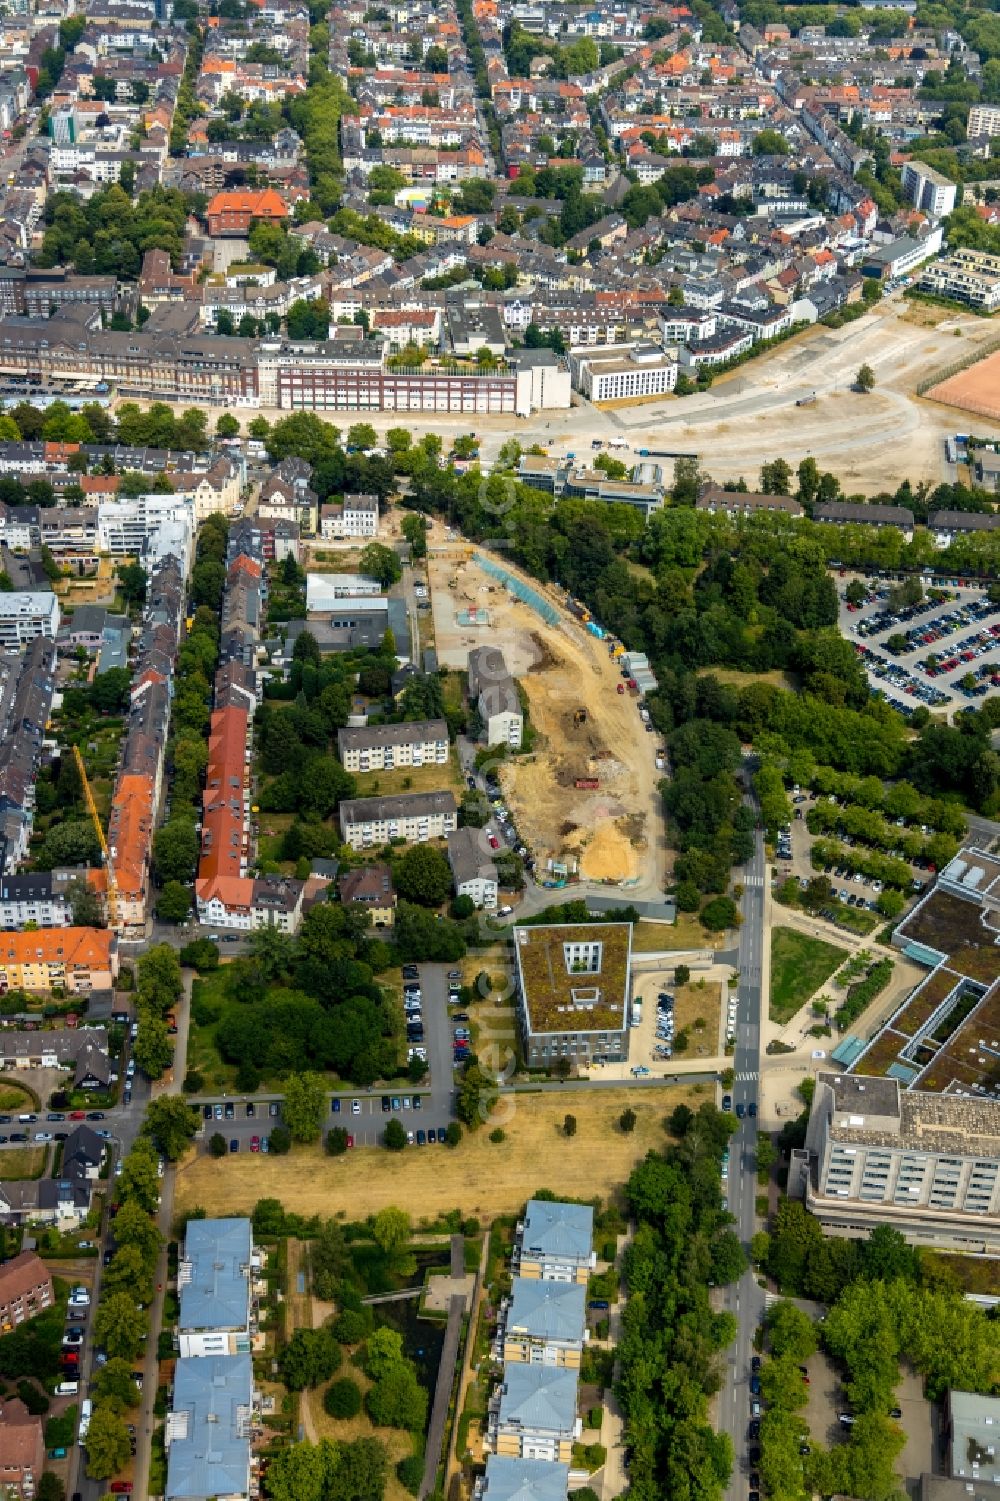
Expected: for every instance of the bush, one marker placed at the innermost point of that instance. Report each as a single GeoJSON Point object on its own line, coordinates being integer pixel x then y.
{"type": "Point", "coordinates": [336, 1141]}
{"type": "Point", "coordinates": [411, 1472]}
{"type": "Point", "coordinates": [34, 1400]}
{"type": "Point", "coordinates": [394, 1136]}
{"type": "Point", "coordinates": [343, 1398]}
{"type": "Point", "coordinates": [193, 1081]}
{"type": "Point", "coordinates": [281, 1140]}
{"type": "Point", "coordinates": [497, 1135]}
{"type": "Point", "coordinates": [453, 1135]}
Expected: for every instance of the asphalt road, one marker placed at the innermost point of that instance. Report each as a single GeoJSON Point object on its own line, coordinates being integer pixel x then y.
{"type": "Point", "coordinates": [745, 1298]}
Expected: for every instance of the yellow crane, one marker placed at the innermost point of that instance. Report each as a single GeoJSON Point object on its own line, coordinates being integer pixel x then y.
{"type": "Point", "coordinates": [109, 868]}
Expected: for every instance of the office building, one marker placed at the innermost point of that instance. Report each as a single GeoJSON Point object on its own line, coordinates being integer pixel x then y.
{"type": "Point", "coordinates": [573, 986]}
{"type": "Point", "coordinates": [928, 189]}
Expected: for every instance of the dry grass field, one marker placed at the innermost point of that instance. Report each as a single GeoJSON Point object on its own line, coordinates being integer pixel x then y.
{"type": "Point", "coordinates": [480, 1177]}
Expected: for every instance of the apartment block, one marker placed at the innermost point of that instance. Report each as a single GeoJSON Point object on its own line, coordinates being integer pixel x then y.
{"type": "Point", "coordinates": [413, 817]}
{"type": "Point", "coordinates": [25, 614]}
{"type": "Point", "coordinates": [494, 693]}
{"type": "Point", "coordinates": [383, 747]}
{"type": "Point", "coordinates": [543, 1323]}
{"type": "Point", "coordinates": [928, 189]}
{"type": "Point", "coordinates": [643, 371]}
{"type": "Point", "coordinates": [533, 1413]}
{"type": "Point", "coordinates": [25, 1290]}
{"type": "Point", "coordinates": [984, 120]}
{"type": "Point", "coordinates": [878, 1154]}
{"type": "Point", "coordinates": [76, 960]}
{"type": "Point", "coordinates": [209, 1429]}
{"type": "Point", "coordinates": [22, 1450]}
{"type": "Point", "coordinates": [555, 1242]}
{"type": "Point", "coordinates": [509, 1479]}
{"type": "Point", "coordinates": [969, 276]}
{"type": "Point", "coordinates": [214, 1282]}
{"type": "Point", "coordinates": [573, 985]}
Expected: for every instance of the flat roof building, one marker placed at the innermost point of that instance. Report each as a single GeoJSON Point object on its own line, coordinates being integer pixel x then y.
{"type": "Point", "coordinates": [573, 989]}
{"type": "Point", "coordinates": [532, 1413]}
{"type": "Point", "coordinates": [879, 1154]}
{"type": "Point", "coordinates": [972, 1425]}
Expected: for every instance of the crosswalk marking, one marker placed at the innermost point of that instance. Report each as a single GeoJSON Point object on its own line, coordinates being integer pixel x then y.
{"type": "Point", "coordinates": [747, 1078]}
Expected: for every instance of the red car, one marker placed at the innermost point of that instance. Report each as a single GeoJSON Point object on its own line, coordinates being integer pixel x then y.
{"type": "Point", "coordinates": [350, 1140]}
{"type": "Point", "coordinates": [78, 1115]}
{"type": "Point", "coordinates": [121, 1487]}
{"type": "Point", "coordinates": [494, 842]}
{"type": "Point", "coordinates": [255, 1143]}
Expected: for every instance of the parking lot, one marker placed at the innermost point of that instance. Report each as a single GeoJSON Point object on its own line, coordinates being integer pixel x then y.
{"type": "Point", "coordinates": [651, 1042]}
{"type": "Point", "coordinates": [945, 654]}
{"type": "Point", "coordinates": [793, 859]}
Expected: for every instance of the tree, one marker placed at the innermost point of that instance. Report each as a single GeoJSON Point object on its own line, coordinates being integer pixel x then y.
{"type": "Point", "coordinates": [682, 974]}
{"type": "Point", "coordinates": [394, 1137]}
{"type": "Point", "coordinates": [227, 426]}
{"type": "Point", "coordinates": [423, 875]}
{"type": "Point", "coordinates": [569, 1125]}
{"type": "Point", "coordinates": [108, 1443]}
{"type": "Point", "coordinates": [397, 1400]}
{"type": "Point", "coordinates": [309, 1358]}
{"type": "Point", "coordinates": [217, 1144]}
{"type": "Point", "coordinates": [770, 143]}
{"type": "Point", "coordinates": [776, 477]}
{"type": "Point", "coordinates": [790, 1331]}
{"type": "Point", "coordinates": [139, 1179]}
{"type": "Point", "coordinates": [336, 1141]}
{"type": "Point", "coordinates": [281, 1141]}
{"type": "Point", "coordinates": [304, 1106]}
{"type": "Point", "coordinates": [119, 1326]}
{"type": "Point", "coordinates": [133, 1226]}
{"type": "Point", "coordinates": [171, 1124]}
{"type": "Point", "coordinates": [380, 562]}
{"type": "Point", "coordinates": [627, 1120]}
{"type": "Point", "coordinates": [50, 1488]}
{"type": "Point", "coordinates": [153, 1050]}
{"type": "Point", "coordinates": [129, 1272]}
{"type": "Point", "coordinates": [342, 1399]}
{"type": "Point", "coordinates": [865, 379]}
{"type": "Point", "coordinates": [158, 979]}
{"type": "Point", "coordinates": [453, 1134]}
{"type": "Point", "coordinates": [391, 1229]}
{"type": "Point", "coordinates": [175, 851]}
{"type": "Point", "coordinates": [362, 434]}
{"type": "Point", "coordinates": [728, 1260]}
{"type": "Point", "coordinates": [173, 904]}
{"type": "Point", "coordinates": [85, 905]}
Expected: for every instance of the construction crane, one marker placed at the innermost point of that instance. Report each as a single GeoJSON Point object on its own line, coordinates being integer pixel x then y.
{"type": "Point", "coordinates": [113, 912]}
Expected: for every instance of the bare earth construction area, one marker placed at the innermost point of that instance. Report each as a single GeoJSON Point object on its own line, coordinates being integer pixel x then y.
{"type": "Point", "coordinates": [976, 389]}
{"type": "Point", "coordinates": [606, 828]}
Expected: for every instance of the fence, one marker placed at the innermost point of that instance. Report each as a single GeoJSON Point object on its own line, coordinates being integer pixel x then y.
{"type": "Point", "coordinates": [956, 367]}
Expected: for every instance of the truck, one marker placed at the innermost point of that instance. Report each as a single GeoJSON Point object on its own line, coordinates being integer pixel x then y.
{"type": "Point", "coordinates": [621, 687]}
{"type": "Point", "coordinates": [806, 401]}
{"type": "Point", "coordinates": [644, 715]}
{"type": "Point", "coordinates": [595, 629]}
{"type": "Point", "coordinates": [633, 687]}
{"type": "Point", "coordinates": [588, 784]}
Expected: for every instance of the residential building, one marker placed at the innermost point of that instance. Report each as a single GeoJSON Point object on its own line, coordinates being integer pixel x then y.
{"type": "Point", "coordinates": [494, 693]}
{"type": "Point", "coordinates": [902, 256]}
{"type": "Point", "coordinates": [76, 960]}
{"type": "Point", "coordinates": [714, 499]}
{"type": "Point", "coordinates": [22, 1450]}
{"type": "Point", "coordinates": [472, 867]}
{"type": "Point", "coordinates": [510, 1479]}
{"type": "Point", "coordinates": [945, 526]}
{"type": "Point", "coordinates": [355, 516]}
{"type": "Point", "coordinates": [532, 1413]}
{"type": "Point", "coordinates": [573, 987]}
{"type": "Point", "coordinates": [214, 1284]}
{"type": "Point", "coordinates": [383, 747]}
{"type": "Point", "coordinates": [984, 120]}
{"type": "Point", "coordinates": [209, 1428]}
{"type": "Point", "coordinates": [970, 276]}
{"type": "Point", "coordinates": [25, 614]}
{"type": "Point", "coordinates": [42, 897]}
{"type": "Point", "coordinates": [413, 817]}
{"type": "Point", "coordinates": [83, 1049]}
{"type": "Point", "coordinates": [555, 1242]}
{"type": "Point", "coordinates": [928, 189]}
{"type": "Point", "coordinates": [370, 887]}
{"type": "Point", "coordinates": [856, 513]}
{"type": "Point", "coordinates": [543, 1323]}
{"type": "Point", "coordinates": [25, 1290]}
{"type": "Point", "coordinates": [878, 1154]}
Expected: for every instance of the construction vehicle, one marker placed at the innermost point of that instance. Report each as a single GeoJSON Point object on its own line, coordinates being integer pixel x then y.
{"type": "Point", "coordinates": [114, 913]}
{"type": "Point", "coordinates": [587, 783]}
{"type": "Point", "coordinates": [580, 716]}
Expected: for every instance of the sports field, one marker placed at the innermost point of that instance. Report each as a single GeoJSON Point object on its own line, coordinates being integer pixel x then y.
{"type": "Point", "coordinates": [976, 389]}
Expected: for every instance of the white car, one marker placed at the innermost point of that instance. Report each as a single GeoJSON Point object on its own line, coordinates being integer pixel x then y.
{"type": "Point", "coordinates": [355, 1107]}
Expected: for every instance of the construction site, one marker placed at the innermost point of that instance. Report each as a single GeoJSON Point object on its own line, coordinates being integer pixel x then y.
{"type": "Point", "coordinates": [585, 796]}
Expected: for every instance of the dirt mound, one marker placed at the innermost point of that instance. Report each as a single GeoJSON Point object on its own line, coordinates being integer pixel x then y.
{"type": "Point", "coordinates": [609, 854]}
{"type": "Point", "coordinates": [546, 657]}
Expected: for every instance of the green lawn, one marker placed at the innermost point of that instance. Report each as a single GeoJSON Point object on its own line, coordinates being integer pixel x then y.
{"type": "Point", "coordinates": [799, 966]}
